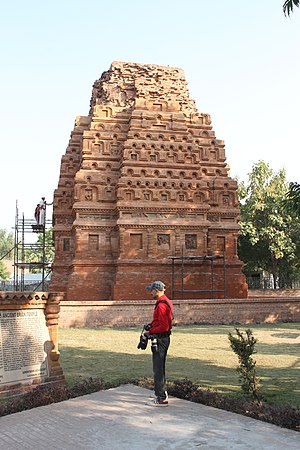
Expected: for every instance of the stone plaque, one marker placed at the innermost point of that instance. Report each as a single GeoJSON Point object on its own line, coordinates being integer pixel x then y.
{"type": "Point", "coordinates": [24, 342]}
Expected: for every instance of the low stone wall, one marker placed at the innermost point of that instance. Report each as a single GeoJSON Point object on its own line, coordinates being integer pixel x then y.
{"type": "Point", "coordinates": [131, 313]}
{"type": "Point", "coordinates": [274, 293]}
{"type": "Point", "coordinates": [29, 353]}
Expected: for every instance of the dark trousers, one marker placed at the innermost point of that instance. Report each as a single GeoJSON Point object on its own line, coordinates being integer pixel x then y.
{"type": "Point", "coordinates": [159, 367]}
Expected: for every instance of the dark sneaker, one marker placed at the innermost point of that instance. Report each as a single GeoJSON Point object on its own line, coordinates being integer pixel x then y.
{"type": "Point", "coordinates": [156, 402]}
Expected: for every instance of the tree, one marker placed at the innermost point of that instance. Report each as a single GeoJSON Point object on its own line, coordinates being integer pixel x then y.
{"type": "Point", "coordinates": [6, 251]}
{"type": "Point", "coordinates": [6, 243]}
{"type": "Point", "coordinates": [288, 6]}
{"type": "Point", "coordinates": [291, 203]}
{"type": "Point", "coordinates": [4, 274]}
{"type": "Point", "coordinates": [35, 253]}
{"type": "Point", "coordinates": [269, 236]}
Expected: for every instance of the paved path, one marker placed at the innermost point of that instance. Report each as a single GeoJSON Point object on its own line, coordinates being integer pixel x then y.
{"type": "Point", "coordinates": [119, 419]}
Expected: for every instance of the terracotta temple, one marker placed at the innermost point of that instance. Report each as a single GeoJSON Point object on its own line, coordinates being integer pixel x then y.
{"type": "Point", "coordinates": [144, 193]}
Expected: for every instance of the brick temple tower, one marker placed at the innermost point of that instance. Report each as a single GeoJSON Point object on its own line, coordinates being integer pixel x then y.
{"type": "Point", "coordinates": [144, 179]}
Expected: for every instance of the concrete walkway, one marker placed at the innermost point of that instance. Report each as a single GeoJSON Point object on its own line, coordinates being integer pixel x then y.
{"type": "Point", "coordinates": [119, 419]}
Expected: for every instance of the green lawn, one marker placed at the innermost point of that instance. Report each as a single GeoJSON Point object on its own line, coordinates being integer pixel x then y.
{"type": "Point", "coordinates": [200, 353]}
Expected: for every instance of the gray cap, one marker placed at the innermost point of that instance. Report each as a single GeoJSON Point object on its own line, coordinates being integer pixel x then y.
{"type": "Point", "coordinates": [157, 286]}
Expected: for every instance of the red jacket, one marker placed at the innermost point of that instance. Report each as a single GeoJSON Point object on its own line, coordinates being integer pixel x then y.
{"type": "Point", "coordinates": [162, 316]}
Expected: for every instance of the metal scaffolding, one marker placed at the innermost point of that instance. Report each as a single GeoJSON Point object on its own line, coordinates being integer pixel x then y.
{"type": "Point", "coordinates": [182, 259]}
{"type": "Point", "coordinates": [23, 227]}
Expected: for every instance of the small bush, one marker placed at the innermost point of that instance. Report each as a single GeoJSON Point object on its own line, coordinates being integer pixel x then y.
{"type": "Point", "coordinates": [47, 394]}
{"type": "Point", "coordinates": [244, 347]}
{"type": "Point", "coordinates": [88, 386]}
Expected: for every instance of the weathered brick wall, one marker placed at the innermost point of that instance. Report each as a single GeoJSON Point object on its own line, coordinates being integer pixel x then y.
{"type": "Point", "coordinates": [273, 293]}
{"type": "Point", "coordinates": [143, 178]}
{"type": "Point", "coordinates": [130, 313]}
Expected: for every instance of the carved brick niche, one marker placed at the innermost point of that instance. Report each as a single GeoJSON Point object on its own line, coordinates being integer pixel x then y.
{"type": "Point", "coordinates": [143, 178]}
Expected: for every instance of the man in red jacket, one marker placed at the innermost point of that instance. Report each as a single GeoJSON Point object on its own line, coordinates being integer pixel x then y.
{"type": "Point", "coordinates": [160, 328]}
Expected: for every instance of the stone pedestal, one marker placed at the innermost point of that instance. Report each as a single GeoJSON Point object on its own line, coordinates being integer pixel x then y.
{"type": "Point", "coordinates": [29, 353]}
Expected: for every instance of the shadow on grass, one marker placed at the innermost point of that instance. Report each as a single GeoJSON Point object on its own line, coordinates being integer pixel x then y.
{"type": "Point", "coordinates": [278, 349]}
{"type": "Point", "coordinates": [279, 385]}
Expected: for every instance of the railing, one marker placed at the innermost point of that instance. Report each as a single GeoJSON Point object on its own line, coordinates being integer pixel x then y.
{"type": "Point", "coordinates": [182, 260]}
{"type": "Point", "coordinates": [268, 283]}
{"type": "Point", "coordinates": [29, 286]}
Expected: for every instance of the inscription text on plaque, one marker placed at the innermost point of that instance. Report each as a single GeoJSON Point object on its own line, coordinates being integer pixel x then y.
{"type": "Point", "coordinates": [24, 343]}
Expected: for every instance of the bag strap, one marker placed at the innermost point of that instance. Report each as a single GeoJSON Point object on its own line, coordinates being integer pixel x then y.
{"type": "Point", "coordinates": [167, 303]}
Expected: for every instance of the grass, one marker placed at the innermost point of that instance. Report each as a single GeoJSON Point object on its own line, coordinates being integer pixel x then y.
{"type": "Point", "coordinates": [201, 354]}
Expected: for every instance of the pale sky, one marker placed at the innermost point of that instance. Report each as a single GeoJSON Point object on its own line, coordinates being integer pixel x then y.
{"type": "Point", "coordinates": [241, 60]}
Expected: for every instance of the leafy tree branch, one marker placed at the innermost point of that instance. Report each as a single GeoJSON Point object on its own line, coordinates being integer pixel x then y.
{"type": "Point", "coordinates": [288, 6]}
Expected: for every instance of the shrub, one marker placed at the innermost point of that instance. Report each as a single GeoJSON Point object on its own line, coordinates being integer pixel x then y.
{"type": "Point", "coordinates": [88, 386]}
{"type": "Point", "coordinates": [244, 347]}
{"type": "Point", "coordinates": [47, 394]}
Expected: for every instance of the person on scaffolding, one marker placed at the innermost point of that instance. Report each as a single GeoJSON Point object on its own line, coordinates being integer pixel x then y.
{"type": "Point", "coordinates": [37, 213]}
{"type": "Point", "coordinates": [42, 211]}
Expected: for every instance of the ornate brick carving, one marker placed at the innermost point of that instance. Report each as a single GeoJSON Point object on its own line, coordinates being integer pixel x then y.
{"type": "Point", "coordinates": [143, 159]}
{"type": "Point", "coordinates": [163, 240]}
{"type": "Point", "coordinates": [191, 241]}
